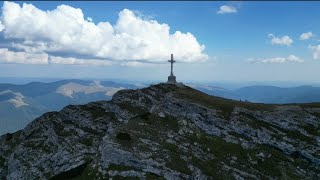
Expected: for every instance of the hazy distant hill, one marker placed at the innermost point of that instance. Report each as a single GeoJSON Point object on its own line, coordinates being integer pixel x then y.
{"type": "Point", "coordinates": [266, 94]}
{"type": "Point", "coordinates": [271, 94]}
{"type": "Point", "coordinates": [214, 90]}
{"type": "Point", "coordinates": [19, 104]}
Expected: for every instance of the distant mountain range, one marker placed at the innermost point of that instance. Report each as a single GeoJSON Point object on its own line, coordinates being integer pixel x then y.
{"type": "Point", "coordinates": [265, 94]}
{"type": "Point", "coordinates": [19, 104]}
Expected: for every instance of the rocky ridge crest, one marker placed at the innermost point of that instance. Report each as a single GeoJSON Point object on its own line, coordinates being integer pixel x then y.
{"type": "Point", "coordinates": [170, 132]}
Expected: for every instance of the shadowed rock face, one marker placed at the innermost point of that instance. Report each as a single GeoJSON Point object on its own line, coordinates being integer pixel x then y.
{"type": "Point", "coordinates": [171, 132]}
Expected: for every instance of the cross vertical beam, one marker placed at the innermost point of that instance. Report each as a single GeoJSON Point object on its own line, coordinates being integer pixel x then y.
{"type": "Point", "coordinates": [171, 61]}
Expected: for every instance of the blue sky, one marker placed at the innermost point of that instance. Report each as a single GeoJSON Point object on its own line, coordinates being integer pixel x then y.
{"type": "Point", "coordinates": [248, 41]}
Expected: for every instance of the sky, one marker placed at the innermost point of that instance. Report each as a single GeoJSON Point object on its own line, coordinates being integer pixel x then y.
{"type": "Point", "coordinates": [211, 41]}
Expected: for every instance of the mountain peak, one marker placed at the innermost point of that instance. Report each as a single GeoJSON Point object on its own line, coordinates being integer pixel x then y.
{"type": "Point", "coordinates": [167, 131]}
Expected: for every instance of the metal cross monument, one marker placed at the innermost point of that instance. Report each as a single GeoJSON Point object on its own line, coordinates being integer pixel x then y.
{"type": "Point", "coordinates": [171, 61]}
{"type": "Point", "coordinates": [171, 78]}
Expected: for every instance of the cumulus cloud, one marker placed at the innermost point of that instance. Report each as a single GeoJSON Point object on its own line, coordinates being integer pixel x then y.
{"type": "Point", "coordinates": [306, 35]}
{"type": "Point", "coordinates": [278, 60]}
{"type": "Point", "coordinates": [78, 61]}
{"type": "Point", "coordinates": [89, 19]}
{"type": "Point", "coordinates": [227, 9]}
{"type": "Point", "coordinates": [284, 40]}
{"type": "Point", "coordinates": [12, 57]}
{"type": "Point", "coordinates": [1, 26]}
{"type": "Point", "coordinates": [315, 51]}
{"type": "Point", "coordinates": [64, 30]}
{"type": "Point", "coordinates": [138, 64]}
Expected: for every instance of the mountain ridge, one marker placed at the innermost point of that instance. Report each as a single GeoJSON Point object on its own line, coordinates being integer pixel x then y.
{"type": "Point", "coordinates": [268, 94]}
{"type": "Point", "coordinates": [37, 98]}
{"type": "Point", "coordinates": [170, 132]}
{"type": "Point", "coordinates": [33, 99]}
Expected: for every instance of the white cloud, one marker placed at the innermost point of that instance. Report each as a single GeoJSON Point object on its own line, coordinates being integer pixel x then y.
{"type": "Point", "coordinates": [284, 40]}
{"type": "Point", "coordinates": [227, 9]}
{"type": "Point", "coordinates": [64, 30]}
{"type": "Point", "coordinates": [278, 60]}
{"type": "Point", "coordinates": [1, 26]}
{"type": "Point", "coordinates": [138, 64]}
{"type": "Point", "coordinates": [315, 51]}
{"type": "Point", "coordinates": [11, 57]}
{"type": "Point", "coordinates": [89, 19]}
{"type": "Point", "coordinates": [306, 35]}
{"type": "Point", "coordinates": [77, 61]}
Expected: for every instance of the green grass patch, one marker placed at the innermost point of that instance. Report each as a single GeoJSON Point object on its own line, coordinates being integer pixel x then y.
{"type": "Point", "coordinates": [2, 161]}
{"type": "Point", "coordinates": [38, 146]}
{"type": "Point", "coordinates": [86, 141]}
{"type": "Point", "coordinates": [131, 108]}
{"type": "Point", "coordinates": [118, 177]}
{"type": "Point", "coordinates": [226, 106]}
{"type": "Point", "coordinates": [298, 135]}
{"type": "Point", "coordinates": [171, 147]}
{"type": "Point", "coordinates": [238, 135]}
{"type": "Point", "coordinates": [82, 172]}
{"type": "Point", "coordinates": [223, 151]}
{"type": "Point", "coordinates": [31, 144]}
{"type": "Point", "coordinates": [156, 122]}
{"type": "Point", "coordinates": [311, 129]}
{"type": "Point", "coordinates": [309, 105]}
{"type": "Point", "coordinates": [151, 176]}
{"type": "Point", "coordinates": [65, 133]}
{"type": "Point", "coordinates": [169, 121]}
{"type": "Point", "coordinates": [58, 128]}
{"type": "Point", "coordinates": [95, 111]}
{"type": "Point", "coordinates": [276, 163]}
{"type": "Point", "coordinates": [176, 162]}
{"type": "Point", "coordinates": [256, 123]}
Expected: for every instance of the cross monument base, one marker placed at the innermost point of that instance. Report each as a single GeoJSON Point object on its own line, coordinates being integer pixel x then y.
{"type": "Point", "coordinates": [171, 80]}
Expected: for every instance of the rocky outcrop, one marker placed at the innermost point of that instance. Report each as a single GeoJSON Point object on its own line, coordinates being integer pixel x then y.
{"type": "Point", "coordinates": [170, 132]}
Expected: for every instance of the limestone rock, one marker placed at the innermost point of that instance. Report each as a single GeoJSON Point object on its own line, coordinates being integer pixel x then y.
{"type": "Point", "coordinates": [175, 132]}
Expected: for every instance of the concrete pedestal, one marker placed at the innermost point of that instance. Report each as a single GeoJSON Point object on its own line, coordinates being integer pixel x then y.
{"type": "Point", "coordinates": [172, 80]}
